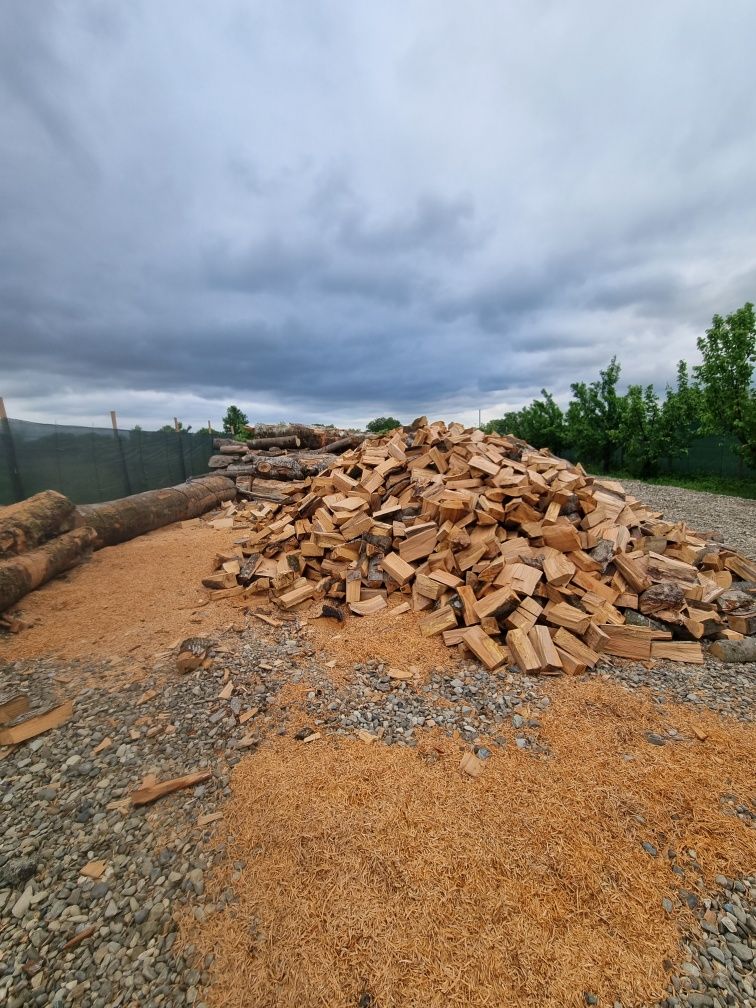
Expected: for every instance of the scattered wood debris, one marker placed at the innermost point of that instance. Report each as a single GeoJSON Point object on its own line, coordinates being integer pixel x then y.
{"type": "Point", "coordinates": [38, 725]}
{"type": "Point", "coordinates": [94, 870]}
{"type": "Point", "coordinates": [151, 789]}
{"type": "Point", "coordinates": [510, 553]}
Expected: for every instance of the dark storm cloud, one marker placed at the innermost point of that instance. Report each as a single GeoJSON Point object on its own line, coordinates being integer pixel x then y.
{"type": "Point", "coordinates": [332, 211]}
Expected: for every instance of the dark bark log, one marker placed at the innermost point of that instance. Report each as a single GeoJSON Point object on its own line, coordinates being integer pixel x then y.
{"type": "Point", "coordinates": [283, 467]}
{"type": "Point", "coordinates": [32, 522]}
{"type": "Point", "coordinates": [291, 441]}
{"type": "Point", "coordinates": [309, 437]}
{"type": "Point", "coordinates": [119, 520]}
{"type": "Point", "coordinates": [22, 574]}
{"type": "Point", "coordinates": [337, 447]}
{"type": "Point", "coordinates": [740, 651]}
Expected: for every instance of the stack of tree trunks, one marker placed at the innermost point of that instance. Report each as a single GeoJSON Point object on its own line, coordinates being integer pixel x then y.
{"type": "Point", "coordinates": [47, 534]}
{"type": "Point", "coordinates": [507, 552]}
{"type": "Point", "coordinates": [290, 454]}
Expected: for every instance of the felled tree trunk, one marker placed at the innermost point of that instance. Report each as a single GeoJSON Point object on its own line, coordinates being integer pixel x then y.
{"type": "Point", "coordinates": [283, 467]}
{"type": "Point", "coordinates": [291, 441]}
{"type": "Point", "coordinates": [119, 520]}
{"type": "Point", "coordinates": [32, 522]}
{"type": "Point", "coordinates": [21, 574]}
{"type": "Point", "coordinates": [337, 447]}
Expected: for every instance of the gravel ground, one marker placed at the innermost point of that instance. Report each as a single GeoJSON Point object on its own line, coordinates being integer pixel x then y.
{"type": "Point", "coordinates": [55, 794]}
{"type": "Point", "coordinates": [734, 517]}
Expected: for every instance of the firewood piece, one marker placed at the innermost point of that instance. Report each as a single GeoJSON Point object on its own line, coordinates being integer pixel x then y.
{"type": "Point", "coordinates": [557, 569]}
{"type": "Point", "coordinates": [664, 595]}
{"type": "Point", "coordinates": [397, 568]}
{"type": "Point", "coordinates": [524, 616]}
{"type": "Point", "coordinates": [297, 595]}
{"type": "Point", "coordinates": [744, 568]}
{"type": "Point", "coordinates": [429, 588]}
{"type": "Point", "coordinates": [561, 537]}
{"type": "Point", "coordinates": [632, 573]}
{"type": "Point", "coordinates": [565, 641]}
{"type": "Point", "coordinates": [568, 616]}
{"type": "Point", "coordinates": [14, 707]}
{"type": "Point", "coordinates": [21, 574]}
{"type": "Point", "coordinates": [151, 792]}
{"type": "Point", "coordinates": [522, 652]}
{"type": "Point", "coordinates": [418, 546]}
{"type": "Point", "coordinates": [682, 651]}
{"type": "Point", "coordinates": [33, 521]}
{"type": "Point", "coordinates": [628, 641]}
{"type": "Point", "coordinates": [37, 725]}
{"type": "Point", "coordinates": [469, 602]}
{"type": "Point", "coordinates": [119, 520]}
{"type": "Point", "coordinates": [745, 624]}
{"type": "Point", "coordinates": [496, 602]}
{"type": "Point", "coordinates": [369, 607]}
{"type": "Point", "coordinates": [443, 618]}
{"type": "Point", "coordinates": [549, 661]}
{"type": "Point", "coordinates": [485, 649]}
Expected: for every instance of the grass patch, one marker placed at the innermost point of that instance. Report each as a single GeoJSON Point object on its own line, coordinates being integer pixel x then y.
{"type": "Point", "coordinates": [728, 485]}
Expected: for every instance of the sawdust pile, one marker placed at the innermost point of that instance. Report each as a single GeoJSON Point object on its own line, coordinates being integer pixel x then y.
{"type": "Point", "coordinates": [396, 640]}
{"type": "Point", "coordinates": [127, 601]}
{"type": "Point", "coordinates": [385, 872]}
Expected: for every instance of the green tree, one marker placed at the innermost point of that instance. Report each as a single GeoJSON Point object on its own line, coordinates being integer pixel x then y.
{"type": "Point", "coordinates": [382, 424]}
{"type": "Point", "coordinates": [541, 423]}
{"type": "Point", "coordinates": [235, 422]}
{"type": "Point", "coordinates": [641, 431]}
{"type": "Point", "coordinates": [594, 416]}
{"type": "Point", "coordinates": [681, 413]}
{"type": "Point", "coordinates": [726, 376]}
{"type": "Point", "coordinates": [170, 427]}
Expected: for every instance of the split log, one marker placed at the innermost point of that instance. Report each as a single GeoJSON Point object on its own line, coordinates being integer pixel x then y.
{"type": "Point", "coordinates": [337, 447]}
{"type": "Point", "coordinates": [32, 522]}
{"type": "Point", "coordinates": [120, 520]}
{"type": "Point", "coordinates": [283, 467]}
{"type": "Point", "coordinates": [22, 574]}
{"type": "Point", "coordinates": [291, 441]}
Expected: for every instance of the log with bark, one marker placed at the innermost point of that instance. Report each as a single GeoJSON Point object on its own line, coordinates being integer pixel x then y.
{"type": "Point", "coordinates": [219, 461]}
{"type": "Point", "coordinates": [337, 447]}
{"type": "Point", "coordinates": [283, 467]}
{"type": "Point", "coordinates": [119, 520]}
{"type": "Point", "coordinates": [33, 521]}
{"type": "Point", "coordinates": [309, 437]}
{"type": "Point", "coordinates": [289, 441]}
{"type": "Point", "coordinates": [21, 574]}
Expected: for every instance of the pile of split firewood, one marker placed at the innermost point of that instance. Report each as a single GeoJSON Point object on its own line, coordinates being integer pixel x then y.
{"type": "Point", "coordinates": [507, 552]}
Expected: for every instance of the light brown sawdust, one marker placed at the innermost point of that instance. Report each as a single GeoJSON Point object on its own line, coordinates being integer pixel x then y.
{"type": "Point", "coordinates": [386, 871]}
{"type": "Point", "coordinates": [128, 601]}
{"type": "Point", "coordinates": [387, 637]}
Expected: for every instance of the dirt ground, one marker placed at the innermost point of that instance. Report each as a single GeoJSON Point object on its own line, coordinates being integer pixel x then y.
{"type": "Point", "coordinates": [128, 603]}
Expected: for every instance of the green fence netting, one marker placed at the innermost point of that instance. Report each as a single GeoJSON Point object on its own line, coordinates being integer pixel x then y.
{"type": "Point", "coordinates": [91, 464]}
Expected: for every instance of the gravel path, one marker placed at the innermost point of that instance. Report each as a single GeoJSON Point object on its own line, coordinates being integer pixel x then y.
{"type": "Point", "coordinates": [734, 517]}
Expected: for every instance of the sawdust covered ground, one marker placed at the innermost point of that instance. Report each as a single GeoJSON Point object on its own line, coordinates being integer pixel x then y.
{"type": "Point", "coordinates": [393, 639]}
{"type": "Point", "coordinates": [128, 602]}
{"type": "Point", "coordinates": [385, 873]}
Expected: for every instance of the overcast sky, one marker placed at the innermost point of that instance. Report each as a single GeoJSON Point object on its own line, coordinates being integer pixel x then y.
{"type": "Point", "coordinates": [328, 211]}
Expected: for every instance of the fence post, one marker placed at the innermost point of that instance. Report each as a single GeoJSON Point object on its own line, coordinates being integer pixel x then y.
{"type": "Point", "coordinates": [10, 453]}
{"type": "Point", "coordinates": [180, 444]}
{"type": "Point", "coordinates": [121, 452]}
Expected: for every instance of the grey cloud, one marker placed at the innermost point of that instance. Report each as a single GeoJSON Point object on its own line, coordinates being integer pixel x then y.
{"type": "Point", "coordinates": [334, 212]}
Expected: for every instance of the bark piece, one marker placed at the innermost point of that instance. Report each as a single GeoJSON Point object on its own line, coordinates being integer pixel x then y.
{"type": "Point", "coordinates": [735, 650]}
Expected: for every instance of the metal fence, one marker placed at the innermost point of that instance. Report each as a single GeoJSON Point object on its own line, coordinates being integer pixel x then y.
{"type": "Point", "coordinates": [91, 464]}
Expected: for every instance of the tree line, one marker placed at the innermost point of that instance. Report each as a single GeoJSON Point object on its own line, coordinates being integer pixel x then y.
{"type": "Point", "coordinates": [716, 396]}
